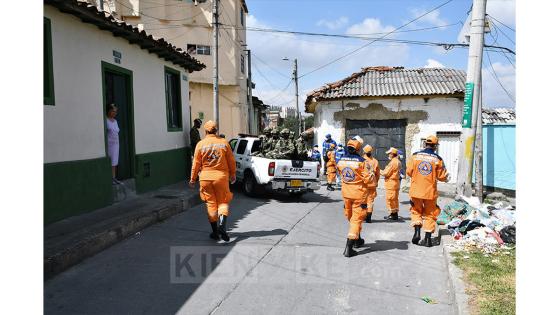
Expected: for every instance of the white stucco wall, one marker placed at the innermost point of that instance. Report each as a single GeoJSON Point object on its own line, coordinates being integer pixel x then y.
{"type": "Point", "coordinates": [74, 127]}
{"type": "Point", "coordinates": [443, 114]}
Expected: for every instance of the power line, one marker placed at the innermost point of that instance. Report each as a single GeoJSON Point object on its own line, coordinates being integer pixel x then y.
{"type": "Point", "coordinates": [503, 53]}
{"type": "Point", "coordinates": [364, 46]}
{"type": "Point", "coordinates": [497, 79]}
{"type": "Point", "coordinates": [501, 22]}
{"type": "Point", "coordinates": [269, 66]}
{"type": "Point", "coordinates": [280, 93]}
{"type": "Point", "coordinates": [503, 33]}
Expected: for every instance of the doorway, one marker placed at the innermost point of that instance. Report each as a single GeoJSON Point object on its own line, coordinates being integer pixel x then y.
{"type": "Point", "coordinates": [117, 89]}
{"type": "Point", "coordinates": [380, 134]}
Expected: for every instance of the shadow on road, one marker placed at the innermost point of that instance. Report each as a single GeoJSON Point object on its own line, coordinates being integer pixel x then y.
{"type": "Point", "coordinates": [383, 245]}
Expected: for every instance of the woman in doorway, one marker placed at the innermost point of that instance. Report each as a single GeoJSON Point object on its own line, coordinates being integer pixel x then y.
{"type": "Point", "coordinates": [113, 140]}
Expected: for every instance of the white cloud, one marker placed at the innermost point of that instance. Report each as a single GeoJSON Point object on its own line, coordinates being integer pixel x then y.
{"type": "Point", "coordinates": [313, 53]}
{"type": "Point", "coordinates": [369, 26]}
{"type": "Point", "coordinates": [493, 95]}
{"type": "Point", "coordinates": [333, 25]}
{"type": "Point", "coordinates": [432, 18]}
{"type": "Point", "coordinates": [432, 63]}
{"type": "Point", "coordinates": [503, 10]}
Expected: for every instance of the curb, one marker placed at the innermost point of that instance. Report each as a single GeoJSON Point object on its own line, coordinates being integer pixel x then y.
{"type": "Point", "coordinates": [94, 244]}
{"type": "Point", "coordinates": [459, 297]}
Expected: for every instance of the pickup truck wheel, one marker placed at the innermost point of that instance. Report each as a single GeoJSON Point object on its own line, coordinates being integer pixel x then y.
{"type": "Point", "coordinates": [250, 185]}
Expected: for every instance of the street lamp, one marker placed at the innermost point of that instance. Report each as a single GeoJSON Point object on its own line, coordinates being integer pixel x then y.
{"type": "Point", "coordinates": [295, 74]}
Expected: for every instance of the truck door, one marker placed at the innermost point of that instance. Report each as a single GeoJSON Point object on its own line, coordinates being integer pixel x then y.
{"type": "Point", "coordinates": [239, 156]}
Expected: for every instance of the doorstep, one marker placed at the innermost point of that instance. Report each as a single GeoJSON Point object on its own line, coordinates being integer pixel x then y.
{"type": "Point", "coordinates": [71, 240]}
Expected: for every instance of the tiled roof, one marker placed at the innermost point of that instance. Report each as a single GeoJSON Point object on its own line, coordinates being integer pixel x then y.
{"type": "Point", "coordinates": [498, 116]}
{"type": "Point", "coordinates": [90, 14]}
{"type": "Point", "coordinates": [393, 81]}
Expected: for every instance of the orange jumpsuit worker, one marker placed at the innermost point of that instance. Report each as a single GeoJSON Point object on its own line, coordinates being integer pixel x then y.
{"type": "Point", "coordinates": [355, 178]}
{"type": "Point", "coordinates": [392, 183]}
{"type": "Point", "coordinates": [214, 166]}
{"type": "Point", "coordinates": [425, 168]}
{"type": "Point", "coordinates": [372, 165]}
{"type": "Point", "coordinates": [331, 167]}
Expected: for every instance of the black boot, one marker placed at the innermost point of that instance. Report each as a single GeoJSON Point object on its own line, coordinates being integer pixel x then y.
{"type": "Point", "coordinates": [348, 251]}
{"type": "Point", "coordinates": [330, 187]}
{"type": "Point", "coordinates": [368, 217]}
{"type": "Point", "coordinates": [416, 237]}
{"type": "Point", "coordinates": [427, 241]}
{"type": "Point", "coordinates": [395, 216]}
{"type": "Point", "coordinates": [214, 235]}
{"type": "Point", "coordinates": [359, 242]}
{"type": "Point", "coordinates": [222, 228]}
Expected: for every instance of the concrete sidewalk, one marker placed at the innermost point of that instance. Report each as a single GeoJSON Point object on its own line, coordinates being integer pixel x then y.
{"type": "Point", "coordinates": [69, 241]}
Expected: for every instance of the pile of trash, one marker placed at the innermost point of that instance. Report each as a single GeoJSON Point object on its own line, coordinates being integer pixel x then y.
{"type": "Point", "coordinates": [487, 227]}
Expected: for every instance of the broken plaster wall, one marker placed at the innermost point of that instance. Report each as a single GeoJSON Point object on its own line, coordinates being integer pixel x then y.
{"type": "Point", "coordinates": [425, 116]}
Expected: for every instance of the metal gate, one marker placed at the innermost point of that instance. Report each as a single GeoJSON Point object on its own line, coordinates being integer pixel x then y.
{"type": "Point", "coordinates": [449, 144]}
{"type": "Point", "coordinates": [381, 134]}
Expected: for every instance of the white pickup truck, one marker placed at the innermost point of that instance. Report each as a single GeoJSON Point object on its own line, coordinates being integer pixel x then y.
{"type": "Point", "coordinates": [258, 173]}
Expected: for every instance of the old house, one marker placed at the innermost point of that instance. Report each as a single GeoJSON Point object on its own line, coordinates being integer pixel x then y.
{"type": "Point", "coordinates": [92, 60]}
{"type": "Point", "coordinates": [393, 107]}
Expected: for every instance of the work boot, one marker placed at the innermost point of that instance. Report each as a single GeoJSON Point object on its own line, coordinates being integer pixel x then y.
{"type": "Point", "coordinates": [416, 237]}
{"type": "Point", "coordinates": [348, 251]}
{"type": "Point", "coordinates": [368, 217]}
{"type": "Point", "coordinates": [214, 235]}
{"type": "Point", "coordinates": [394, 216]}
{"type": "Point", "coordinates": [222, 228]}
{"type": "Point", "coordinates": [427, 241]}
{"type": "Point", "coordinates": [330, 187]}
{"type": "Point", "coordinates": [359, 242]}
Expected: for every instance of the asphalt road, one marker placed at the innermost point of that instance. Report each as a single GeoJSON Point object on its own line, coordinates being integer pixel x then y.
{"type": "Point", "coordinates": [284, 257]}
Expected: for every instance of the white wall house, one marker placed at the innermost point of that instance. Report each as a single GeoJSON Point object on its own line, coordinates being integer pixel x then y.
{"type": "Point", "coordinates": [393, 107]}
{"type": "Point", "coordinates": [92, 60]}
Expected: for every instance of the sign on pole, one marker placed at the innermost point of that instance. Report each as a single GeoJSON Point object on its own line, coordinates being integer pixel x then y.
{"type": "Point", "coordinates": [467, 107]}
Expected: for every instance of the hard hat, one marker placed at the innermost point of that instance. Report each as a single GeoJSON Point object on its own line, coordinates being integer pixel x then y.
{"type": "Point", "coordinates": [359, 139]}
{"type": "Point", "coordinates": [354, 144]}
{"type": "Point", "coordinates": [399, 152]}
{"type": "Point", "coordinates": [285, 131]}
{"type": "Point", "coordinates": [328, 135]}
{"type": "Point", "coordinates": [368, 149]}
{"type": "Point", "coordinates": [316, 146]}
{"type": "Point", "coordinates": [267, 130]}
{"type": "Point", "coordinates": [198, 121]}
{"type": "Point", "coordinates": [432, 140]}
{"type": "Point", "coordinates": [392, 150]}
{"type": "Point", "coordinates": [210, 126]}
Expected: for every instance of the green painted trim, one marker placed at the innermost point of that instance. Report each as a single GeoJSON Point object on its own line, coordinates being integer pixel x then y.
{"type": "Point", "coordinates": [166, 168]}
{"type": "Point", "coordinates": [105, 66]}
{"type": "Point", "coordinates": [74, 187]}
{"type": "Point", "coordinates": [167, 69]}
{"type": "Point", "coordinates": [48, 99]}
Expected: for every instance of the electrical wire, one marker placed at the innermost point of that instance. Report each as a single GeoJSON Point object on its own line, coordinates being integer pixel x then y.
{"type": "Point", "coordinates": [501, 23]}
{"type": "Point", "coordinates": [364, 46]}
{"type": "Point", "coordinates": [497, 79]}
{"type": "Point", "coordinates": [503, 33]}
{"type": "Point", "coordinates": [269, 66]}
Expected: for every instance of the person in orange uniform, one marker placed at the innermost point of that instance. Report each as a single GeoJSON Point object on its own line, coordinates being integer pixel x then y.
{"type": "Point", "coordinates": [425, 169]}
{"type": "Point", "coordinates": [372, 165]}
{"type": "Point", "coordinates": [392, 183]}
{"type": "Point", "coordinates": [214, 166]}
{"type": "Point", "coordinates": [355, 179]}
{"type": "Point", "coordinates": [331, 167]}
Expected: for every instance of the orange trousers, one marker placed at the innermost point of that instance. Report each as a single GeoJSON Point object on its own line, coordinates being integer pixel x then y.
{"type": "Point", "coordinates": [370, 197]}
{"type": "Point", "coordinates": [427, 209]}
{"type": "Point", "coordinates": [216, 195]}
{"type": "Point", "coordinates": [331, 178]}
{"type": "Point", "coordinates": [392, 200]}
{"type": "Point", "coordinates": [355, 212]}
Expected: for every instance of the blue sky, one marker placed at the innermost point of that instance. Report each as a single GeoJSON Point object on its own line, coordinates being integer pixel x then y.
{"type": "Point", "coordinates": [271, 74]}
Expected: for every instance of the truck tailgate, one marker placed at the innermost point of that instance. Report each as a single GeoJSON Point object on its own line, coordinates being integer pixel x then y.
{"type": "Point", "coordinates": [294, 169]}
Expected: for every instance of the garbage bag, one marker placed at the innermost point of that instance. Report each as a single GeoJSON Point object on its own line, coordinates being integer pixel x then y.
{"type": "Point", "coordinates": [508, 234]}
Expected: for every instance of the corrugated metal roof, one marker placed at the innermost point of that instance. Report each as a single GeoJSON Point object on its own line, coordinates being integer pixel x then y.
{"type": "Point", "coordinates": [394, 81]}
{"type": "Point", "coordinates": [498, 116]}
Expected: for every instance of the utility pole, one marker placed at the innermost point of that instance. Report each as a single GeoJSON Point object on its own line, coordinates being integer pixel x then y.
{"type": "Point", "coordinates": [472, 98]}
{"type": "Point", "coordinates": [215, 68]}
{"type": "Point", "coordinates": [297, 95]}
{"type": "Point", "coordinates": [253, 128]}
{"type": "Point", "coordinates": [479, 179]}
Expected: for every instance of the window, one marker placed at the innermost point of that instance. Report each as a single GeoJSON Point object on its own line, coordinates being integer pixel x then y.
{"type": "Point", "coordinates": [242, 16]}
{"type": "Point", "coordinates": [193, 49]}
{"type": "Point", "coordinates": [241, 147]}
{"type": "Point", "coordinates": [232, 143]}
{"type": "Point", "coordinates": [173, 100]}
{"type": "Point", "coordinates": [242, 64]}
{"type": "Point", "coordinates": [48, 80]}
{"type": "Point", "coordinates": [256, 147]}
